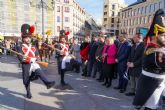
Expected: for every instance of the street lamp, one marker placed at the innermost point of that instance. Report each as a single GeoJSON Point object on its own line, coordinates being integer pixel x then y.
{"type": "Point", "coordinates": [43, 5]}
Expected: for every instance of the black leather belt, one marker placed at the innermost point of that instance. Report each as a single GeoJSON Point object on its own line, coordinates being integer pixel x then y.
{"type": "Point", "coordinates": [155, 70]}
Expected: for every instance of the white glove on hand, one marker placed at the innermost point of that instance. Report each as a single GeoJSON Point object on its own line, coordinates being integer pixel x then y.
{"type": "Point", "coordinates": [32, 60]}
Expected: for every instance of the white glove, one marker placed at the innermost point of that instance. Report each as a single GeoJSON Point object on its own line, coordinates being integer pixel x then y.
{"type": "Point", "coordinates": [32, 60]}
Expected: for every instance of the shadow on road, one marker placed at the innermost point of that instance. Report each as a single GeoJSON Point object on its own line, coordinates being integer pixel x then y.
{"type": "Point", "coordinates": [10, 100]}
{"type": "Point", "coordinates": [8, 75]}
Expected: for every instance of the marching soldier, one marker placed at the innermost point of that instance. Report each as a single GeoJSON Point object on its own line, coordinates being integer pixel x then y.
{"type": "Point", "coordinates": [151, 83]}
{"type": "Point", "coordinates": [60, 55]}
{"type": "Point", "coordinates": [30, 69]}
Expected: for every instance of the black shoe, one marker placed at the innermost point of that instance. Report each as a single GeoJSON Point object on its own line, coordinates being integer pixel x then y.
{"type": "Point", "coordinates": [108, 85]}
{"type": "Point", "coordinates": [50, 84]}
{"type": "Point", "coordinates": [104, 84]}
{"type": "Point", "coordinates": [98, 79]}
{"type": "Point", "coordinates": [117, 88]}
{"type": "Point", "coordinates": [88, 75]}
{"type": "Point", "coordinates": [101, 80]}
{"type": "Point", "coordinates": [130, 94]}
{"type": "Point", "coordinates": [83, 74]}
{"type": "Point", "coordinates": [63, 84]}
{"type": "Point", "coordinates": [94, 76]}
{"type": "Point", "coordinates": [77, 71]}
{"type": "Point", "coordinates": [122, 90]}
{"type": "Point", "coordinates": [29, 96]}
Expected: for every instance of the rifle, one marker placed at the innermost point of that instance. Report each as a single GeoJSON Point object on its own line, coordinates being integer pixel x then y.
{"type": "Point", "coordinates": [58, 50]}
{"type": "Point", "coordinates": [43, 64]}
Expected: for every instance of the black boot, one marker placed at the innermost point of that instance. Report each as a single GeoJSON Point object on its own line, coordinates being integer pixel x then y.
{"type": "Point", "coordinates": [109, 83]}
{"type": "Point", "coordinates": [50, 84]}
{"type": "Point", "coordinates": [29, 95]}
{"type": "Point", "coordinates": [149, 108]}
{"type": "Point", "coordinates": [62, 77]}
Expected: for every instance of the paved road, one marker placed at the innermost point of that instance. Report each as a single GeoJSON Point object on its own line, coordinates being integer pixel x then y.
{"type": "Point", "coordinates": [81, 94]}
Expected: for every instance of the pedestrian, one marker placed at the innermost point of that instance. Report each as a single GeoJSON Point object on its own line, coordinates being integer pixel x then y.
{"type": "Point", "coordinates": [63, 50]}
{"type": "Point", "coordinates": [92, 50]}
{"type": "Point", "coordinates": [135, 62]}
{"type": "Point", "coordinates": [121, 59]}
{"type": "Point", "coordinates": [151, 84]}
{"type": "Point", "coordinates": [29, 66]}
{"type": "Point", "coordinates": [84, 49]}
{"type": "Point", "coordinates": [98, 57]}
{"type": "Point", "coordinates": [75, 51]}
{"type": "Point", "coordinates": [108, 55]}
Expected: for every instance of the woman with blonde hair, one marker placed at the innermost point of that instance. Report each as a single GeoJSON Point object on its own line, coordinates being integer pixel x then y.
{"type": "Point", "coordinates": [108, 54]}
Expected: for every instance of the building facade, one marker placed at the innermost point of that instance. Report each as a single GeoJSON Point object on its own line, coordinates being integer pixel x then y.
{"type": "Point", "coordinates": [110, 16]}
{"type": "Point", "coordinates": [139, 16]}
{"type": "Point", "coordinates": [58, 15]}
{"type": "Point", "coordinates": [14, 13]}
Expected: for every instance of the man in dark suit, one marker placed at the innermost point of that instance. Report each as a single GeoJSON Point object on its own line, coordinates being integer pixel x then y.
{"type": "Point", "coordinates": [121, 59]}
{"type": "Point", "coordinates": [135, 62]}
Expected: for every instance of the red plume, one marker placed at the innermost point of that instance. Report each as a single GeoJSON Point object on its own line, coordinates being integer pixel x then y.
{"type": "Point", "coordinates": [67, 33]}
{"type": "Point", "coordinates": [32, 29]}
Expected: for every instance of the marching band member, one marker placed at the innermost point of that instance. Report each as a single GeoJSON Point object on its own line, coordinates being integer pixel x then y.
{"type": "Point", "coordinates": [151, 83]}
{"type": "Point", "coordinates": [29, 66]}
{"type": "Point", "coordinates": [61, 57]}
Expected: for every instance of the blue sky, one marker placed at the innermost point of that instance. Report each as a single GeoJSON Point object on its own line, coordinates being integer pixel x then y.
{"type": "Point", "coordinates": [95, 7]}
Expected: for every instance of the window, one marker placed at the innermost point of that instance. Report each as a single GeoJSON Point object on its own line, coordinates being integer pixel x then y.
{"type": "Point", "coordinates": [113, 7]}
{"type": "Point", "coordinates": [144, 20]}
{"type": "Point", "coordinates": [105, 6]}
{"type": "Point", "coordinates": [146, 9]}
{"type": "Point", "coordinates": [155, 7]}
{"type": "Point", "coordinates": [134, 12]}
{"type": "Point", "coordinates": [58, 28]}
{"type": "Point", "coordinates": [112, 25]}
{"type": "Point", "coordinates": [150, 8]}
{"type": "Point", "coordinates": [142, 10]}
{"type": "Point", "coordinates": [112, 20]}
{"type": "Point", "coordinates": [67, 9]}
{"type": "Point", "coordinates": [105, 19]}
{"type": "Point", "coordinates": [66, 1]}
{"type": "Point", "coordinates": [138, 10]}
{"type": "Point", "coordinates": [122, 15]}
{"type": "Point", "coordinates": [58, 8]}
{"type": "Point", "coordinates": [105, 13]}
{"type": "Point", "coordinates": [58, 18]}
{"type": "Point", "coordinates": [149, 17]}
{"type": "Point", "coordinates": [113, 13]}
{"type": "Point", "coordinates": [160, 5]}
{"type": "Point", "coordinates": [66, 19]}
{"type": "Point", "coordinates": [66, 28]}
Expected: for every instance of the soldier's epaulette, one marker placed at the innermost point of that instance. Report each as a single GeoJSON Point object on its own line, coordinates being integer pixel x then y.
{"type": "Point", "coordinates": [150, 51]}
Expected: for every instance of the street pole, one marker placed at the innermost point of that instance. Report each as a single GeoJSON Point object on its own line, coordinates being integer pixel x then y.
{"type": "Point", "coordinates": [42, 3]}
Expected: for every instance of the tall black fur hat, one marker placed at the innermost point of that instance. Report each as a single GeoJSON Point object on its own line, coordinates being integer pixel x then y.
{"type": "Point", "coordinates": [158, 24]}
{"type": "Point", "coordinates": [27, 30]}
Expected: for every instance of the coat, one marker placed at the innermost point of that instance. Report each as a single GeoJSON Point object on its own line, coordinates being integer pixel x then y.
{"type": "Point", "coordinates": [111, 53]}
{"type": "Point", "coordinates": [84, 49]}
{"type": "Point", "coordinates": [136, 56]}
{"type": "Point", "coordinates": [99, 51]}
{"type": "Point", "coordinates": [123, 52]}
{"type": "Point", "coordinates": [75, 50]}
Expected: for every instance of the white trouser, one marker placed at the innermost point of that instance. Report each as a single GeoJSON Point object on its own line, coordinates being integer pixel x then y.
{"type": "Point", "coordinates": [153, 101]}
{"type": "Point", "coordinates": [65, 60]}
{"type": "Point", "coordinates": [34, 66]}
